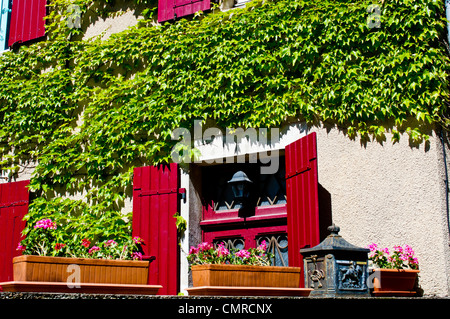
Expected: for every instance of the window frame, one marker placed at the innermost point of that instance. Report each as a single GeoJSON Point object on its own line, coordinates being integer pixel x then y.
{"type": "Point", "coordinates": [227, 224]}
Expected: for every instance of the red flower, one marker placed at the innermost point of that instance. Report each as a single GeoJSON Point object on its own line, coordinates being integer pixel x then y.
{"type": "Point", "coordinates": [59, 246]}
{"type": "Point", "coordinates": [85, 243]}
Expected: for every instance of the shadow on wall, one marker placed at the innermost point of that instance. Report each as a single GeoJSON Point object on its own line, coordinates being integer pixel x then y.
{"type": "Point", "coordinates": [104, 10]}
{"type": "Point", "coordinates": [325, 215]}
{"type": "Point", "coordinates": [405, 132]}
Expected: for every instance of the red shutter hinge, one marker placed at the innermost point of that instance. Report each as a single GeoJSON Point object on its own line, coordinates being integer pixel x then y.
{"type": "Point", "coordinates": [181, 191]}
{"type": "Point", "coordinates": [298, 171]}
{"type": "Point", "coordinates": [11, 204]}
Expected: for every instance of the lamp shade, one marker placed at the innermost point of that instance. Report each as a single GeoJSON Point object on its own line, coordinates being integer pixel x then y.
{"type": "Point", "coordinates": [240, 186]}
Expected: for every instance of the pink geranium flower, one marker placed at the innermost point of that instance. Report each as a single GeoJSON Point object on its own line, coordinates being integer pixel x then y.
{"type": "Point", "coordinates": [138, 240]}
{"type": "Point", "coordinates": [243, 254]}
{"type": "Point", "coordinates": [205, 253]}
{"type": "Point", "coordinates": [136, 255]}
{"type": "Point", "coordinates": [263, 246]}
{"type": "Point", "coordinates": [110, 243]}
{"type": "Point", "coordinates": [45, 224]}
{"type": "Point", "coordinates": [402, 257]}
{"type": "Point", "coordinates": [93, 248]}
{"type": "Point", "coordinates": [204, 246]}
{"type": "Point", "coordinates": [222, 251]}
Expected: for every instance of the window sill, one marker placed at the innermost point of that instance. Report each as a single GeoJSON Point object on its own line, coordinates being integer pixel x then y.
{"type": "Point", "coordinates": [261, 218]}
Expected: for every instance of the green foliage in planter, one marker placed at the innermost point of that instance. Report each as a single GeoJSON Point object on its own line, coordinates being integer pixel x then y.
{"type": "Point", "coordinates": [87, 111]}
{"type": "Point", "coordinates": [206, 253]}
{"type": "Point", "coordinates": [78, 231]}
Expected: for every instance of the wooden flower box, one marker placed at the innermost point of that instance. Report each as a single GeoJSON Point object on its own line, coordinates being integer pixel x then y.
{"type": "Point", "coordinates": [245, 276]}
{"type": "Point", "coordinates": [79, 275]}
{"type": "Point", "coordinates": [394, 282]}
{"type": "Point", "coordinates": [58, 269]}
{"type": "Point", "coordinates": [239, 280]}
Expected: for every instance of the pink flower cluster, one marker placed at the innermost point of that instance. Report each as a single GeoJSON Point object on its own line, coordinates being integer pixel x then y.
{"type": "Point", "coordinates": [200, 248]}
{"type": "Point", "coordinates": [374, 248]}
{"type": "Point", "coordinates": [262, 246]}
{"type": "Point", "coordinates": [222, 251]}
{"type": "Point", "coordinates": [93, 249]}
{"type": "Point", "coordinates": [243, 254]}
{"type": "Point", "coordinates": [406, 253]}
{"type": "Point", "coordinates": [59, 246]}
{"type": "Point", "coordinates": [110, 243]}
{"type": "Point", "coordinates": [138, 240]}
{"type": "Point", "coordinates": [402, 256]}
{"type": "Point", "coordinates": [136, 255]}
{"type": "Point", "coordinates": [261, 250]}
{"type": "Point", "coordinates": [207, 253]}
{"type": "Point", "coordinates": [46, 224]}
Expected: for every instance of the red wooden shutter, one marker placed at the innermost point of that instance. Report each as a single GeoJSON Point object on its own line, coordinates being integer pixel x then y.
{"type": "Point", "coordinates": [27, 20]}
{"type": "Point", "coordinates": [155, 201]}
{"type": "Point", "coordinates": [13, 207]}
{"type": "Point", "coordinates": [171, 9]}
{"type": "Point", "coordinates": [302, 197]}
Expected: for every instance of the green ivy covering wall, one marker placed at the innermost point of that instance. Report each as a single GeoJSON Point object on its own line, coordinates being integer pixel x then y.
{"type": "Point", "coordinates": [87, 111]}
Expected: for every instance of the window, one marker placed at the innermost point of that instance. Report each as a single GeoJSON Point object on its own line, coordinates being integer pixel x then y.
{"type": "Point", "coordinates": [284, 210]}
{"type": "Point", "coordinates": [225, 221]}
{"type": "Point", "coordinates": [268, 189]}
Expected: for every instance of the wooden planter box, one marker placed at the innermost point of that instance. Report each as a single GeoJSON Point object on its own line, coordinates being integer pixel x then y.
{"type": "Point", "coordinates": [55, 269]}
{"type": "Point", "coordinates": [241, 280]}
{"type": "Point", "coordinates": [395, 282]}
{"type": "Point", "coordinates": [245, 276]}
